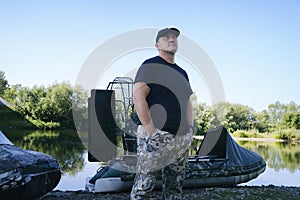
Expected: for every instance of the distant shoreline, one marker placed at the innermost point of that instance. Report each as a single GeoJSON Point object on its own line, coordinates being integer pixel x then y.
{"type": "Point", "coordinates": [200, 137]}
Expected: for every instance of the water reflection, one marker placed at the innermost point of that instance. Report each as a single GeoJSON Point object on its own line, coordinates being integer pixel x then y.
{"type": "Point", "coordinates": [278, 155]}
{"type": "Point", "coordinates": [65, 146]}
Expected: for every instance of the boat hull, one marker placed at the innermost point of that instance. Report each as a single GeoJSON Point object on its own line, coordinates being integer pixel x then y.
{"type": "Point", "coordinates": [33, 189]}
{"type": "Point", "coordinates": [25, 174]}
{"type": "Point", "coordinates": [116, 184]}
{"type": "Point", "coordinates": [115, 179]}
{"type": "Point", "coordinates": [218, 161]}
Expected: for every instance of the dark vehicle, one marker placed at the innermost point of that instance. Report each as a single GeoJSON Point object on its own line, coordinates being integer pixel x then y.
{"type": "Point", "coordinates": [25, 174]}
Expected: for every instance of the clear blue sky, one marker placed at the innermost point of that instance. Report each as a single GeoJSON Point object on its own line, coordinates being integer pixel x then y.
{"type": "Point", "coordinates": [254, 44]}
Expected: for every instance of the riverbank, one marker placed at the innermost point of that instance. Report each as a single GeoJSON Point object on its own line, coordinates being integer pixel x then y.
{"type": "Point", "coordinates": [224, 193]}
{"type": "Point", "coordinates": [10, 119]}
{"type": "Point", "coordinates": [266, 139]}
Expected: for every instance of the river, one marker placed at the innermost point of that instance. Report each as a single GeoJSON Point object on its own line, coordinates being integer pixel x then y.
{"type": "Point", "coordinates": [283, 159]}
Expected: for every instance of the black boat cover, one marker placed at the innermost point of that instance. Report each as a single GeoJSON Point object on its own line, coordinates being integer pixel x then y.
{"type": "Point", "coordinates": [219, 144]}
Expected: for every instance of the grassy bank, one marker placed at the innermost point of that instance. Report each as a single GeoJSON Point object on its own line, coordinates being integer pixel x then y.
{"type": "Point", "coordinates": [291, 135]}
{"type": "Point", "coordinates": [11, 119]}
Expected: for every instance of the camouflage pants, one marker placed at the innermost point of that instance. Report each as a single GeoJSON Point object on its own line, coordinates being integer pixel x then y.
{"type": "Point", "coordinates": [161, 151]}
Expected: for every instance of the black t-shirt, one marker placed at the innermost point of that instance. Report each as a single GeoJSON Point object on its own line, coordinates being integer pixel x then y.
{"type": "Point", "coordinates": [169, 93]}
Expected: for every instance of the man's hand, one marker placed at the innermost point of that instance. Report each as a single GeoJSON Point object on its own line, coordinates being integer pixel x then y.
{"type": "Point", "coordinates": [149, 128]}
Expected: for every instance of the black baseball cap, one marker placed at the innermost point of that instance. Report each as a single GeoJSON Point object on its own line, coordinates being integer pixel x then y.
{"type": "Point", "coordinates": [165, 31]}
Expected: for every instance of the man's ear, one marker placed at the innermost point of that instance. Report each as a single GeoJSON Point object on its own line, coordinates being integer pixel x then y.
{"type": "Point", "coordinates": [157, 46]}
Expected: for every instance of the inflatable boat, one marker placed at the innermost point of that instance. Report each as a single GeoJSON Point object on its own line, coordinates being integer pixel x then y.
{"type": "Point", "coordinates": [25, 174]}
{"type": "Point", "coordinates": [219, 161]}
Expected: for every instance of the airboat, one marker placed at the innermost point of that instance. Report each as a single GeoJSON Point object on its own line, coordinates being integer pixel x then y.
{"type": "Point", "coordinates": [219, 160]}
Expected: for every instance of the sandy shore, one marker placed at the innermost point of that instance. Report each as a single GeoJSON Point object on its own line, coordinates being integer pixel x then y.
{"type": "Point", "coordinates": [240, 192]}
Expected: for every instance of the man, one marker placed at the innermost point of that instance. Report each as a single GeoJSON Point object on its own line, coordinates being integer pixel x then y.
{"type": "Point", "coordinates": [162, 100]}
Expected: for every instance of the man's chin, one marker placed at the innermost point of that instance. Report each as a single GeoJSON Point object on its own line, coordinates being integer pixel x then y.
{"type": "Point", "coordinates": [172, 51]}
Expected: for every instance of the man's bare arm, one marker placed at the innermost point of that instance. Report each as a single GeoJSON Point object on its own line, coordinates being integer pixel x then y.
{"type": "Point", "coordinates": [190, 113]}
{"type": "Point", "coordinates": [140, 93]}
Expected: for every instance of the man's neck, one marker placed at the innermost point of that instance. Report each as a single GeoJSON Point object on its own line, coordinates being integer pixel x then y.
{"type": "Point", "coordinates": [167, 56]}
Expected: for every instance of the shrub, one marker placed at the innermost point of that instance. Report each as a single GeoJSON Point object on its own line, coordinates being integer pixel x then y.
{"type": "Point", "coordinates": [287, 134]}
{"type": "Point", "coordinates": [246, 134]}
{"type": "Point", "coordinates": [240, 133]}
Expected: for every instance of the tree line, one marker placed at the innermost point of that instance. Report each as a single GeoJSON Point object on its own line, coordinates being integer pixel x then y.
{"type": "Point", "coordinates": [241, 117]}
{"type": "Point", "coordinates": [46, 107]}
{"type": "Point", "coordinates": [51, 107]}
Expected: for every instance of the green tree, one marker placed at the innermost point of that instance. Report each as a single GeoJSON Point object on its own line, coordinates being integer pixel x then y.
{"type": "Point", "coordinates": [276, 111]}
{"type": "Point", "coordinates": [10, 93]}
{"type": "Point", "coordinates": [22, 101]}
{"type": "Point", "coordinates": [218, 114]}
{"type": "Point", "coordinates": [48, 107]}
{"type": "Point", "coordinates": [235, 116]}
{"type": "Point", "coordinates": [57, 104]}
{"type": "Point", "coordinates": [203, 118]}
{"type": "Point", "coordinates": [262, 121]}
{"type": "Point", "coordinates": [79, 107]}
{"type": "Point", "coordinates": [3, 83]}
{"type": "Point", "coordinates": [281, 115]}
{"type": "Point", "coordinates": [293, 107]}
{"type": "Point", "coordinates": [291, 120]}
